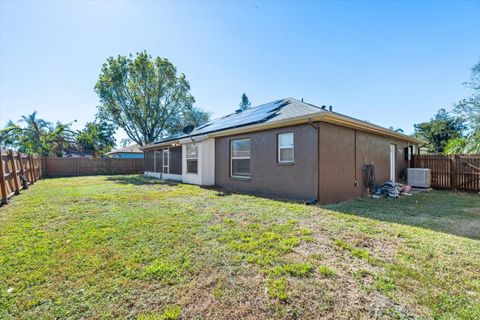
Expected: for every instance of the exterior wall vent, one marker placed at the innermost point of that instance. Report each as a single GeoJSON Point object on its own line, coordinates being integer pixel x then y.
{"type": "Point", "coordinates": [419, 177]}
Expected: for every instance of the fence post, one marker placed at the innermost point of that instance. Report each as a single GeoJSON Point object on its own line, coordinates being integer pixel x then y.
{"type": "Point", "coordinates": [19, 158]}
{"type": "Point", "coordinates": [43, 167]}
{"type": "Point", "coordinates": [14, 171]}
{"type": "Point", "coordinates": [30, 165]}
{"type": "Point", "coordinates": [108, 166]}
{"type": "Point", "coordinates": [3, 183]}
{"type": "Point", "coordinates": [40, 169]}
{"type": "Point", "coordinates": [78, 166]}
{"type": "Point", "coordinates": [22, 169]}
{"type": "Point", "coordinates": [453, 172]}
{"type": "Point", "coordinates": [34, 170]}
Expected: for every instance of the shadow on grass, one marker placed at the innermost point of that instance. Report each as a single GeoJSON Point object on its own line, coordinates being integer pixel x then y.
{"type": "Point", "coordinates": [444, 211]}
{"type": "Point", "coordinates": [140, 180]}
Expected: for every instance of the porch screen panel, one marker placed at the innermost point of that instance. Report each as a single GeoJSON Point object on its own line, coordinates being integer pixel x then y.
{"type": "Point", "coordinates": [159, 160]}
{"type": "Point", "coordinates": [149, 165]}
{"type": "Point", "coordinates": [176, 160]}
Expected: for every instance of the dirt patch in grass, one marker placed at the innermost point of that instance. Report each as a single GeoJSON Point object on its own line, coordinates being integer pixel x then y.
{"type": "Point", "coordinates": [129, 247]}
{"type": "Point", "coordinates": [472, 210]}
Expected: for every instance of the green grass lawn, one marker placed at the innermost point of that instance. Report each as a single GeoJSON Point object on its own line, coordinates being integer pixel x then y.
{"type": "Point", "coordinates": [131, 247]}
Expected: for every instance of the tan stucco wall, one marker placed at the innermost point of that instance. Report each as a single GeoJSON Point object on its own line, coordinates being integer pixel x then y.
{"type": "Point", "coordinates": [342, 161]}
{"type": "Point", "coordinates": [333, 179]}
{"type": "Point", "coordinates": [297, 181]}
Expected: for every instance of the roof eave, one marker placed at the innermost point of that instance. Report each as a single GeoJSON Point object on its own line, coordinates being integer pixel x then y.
{"type": "Point", "coordinates": [368, 127]}
{"type": "Point", "coordinates": [329, 117]}
{"type": "Point", "coordinates": [160, 144]}
{"type": "Point", "coordinates": [320, 116]}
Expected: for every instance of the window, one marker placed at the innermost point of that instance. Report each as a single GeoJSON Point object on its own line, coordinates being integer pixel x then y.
{"type": "Point", "coordinates": [285, 147]}
{"type": "Point", "coordinates": [240, 158]}
{"type": "Point", "coordinates": [192, 158]}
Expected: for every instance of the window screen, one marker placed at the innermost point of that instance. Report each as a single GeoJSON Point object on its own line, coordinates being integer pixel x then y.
{"type": "Point", "coordinates": [285, 147]}
{"type": "Point", "coordinates": [240, 158]}
{"type": "Point", "coordinates": [192, 158]}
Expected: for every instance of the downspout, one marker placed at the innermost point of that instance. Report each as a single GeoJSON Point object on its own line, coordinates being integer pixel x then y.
{"type": "Point", "coordinates": [355, 183]}
{"type": "Point", "coordinates": [317, 128]}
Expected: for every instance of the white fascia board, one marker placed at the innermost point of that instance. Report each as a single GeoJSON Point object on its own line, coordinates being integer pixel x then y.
{"type": "Point", "coordinates": [193, 139]}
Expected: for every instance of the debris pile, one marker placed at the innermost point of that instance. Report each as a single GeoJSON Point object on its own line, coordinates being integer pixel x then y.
{"type": "Point", "coordinates": [391, 189]}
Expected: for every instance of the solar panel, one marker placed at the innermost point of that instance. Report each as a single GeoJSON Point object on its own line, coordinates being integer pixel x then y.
{"type": "Point", "coordinates": [250, 116]}
{"type": "Point", "coordinates": [275, 110]}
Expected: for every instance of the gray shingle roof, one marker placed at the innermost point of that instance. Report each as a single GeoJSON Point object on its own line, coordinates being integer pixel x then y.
{"type": "Point", "coordinates": [265, 113]}
{"type": "Point", "coordinates": [134, 148]}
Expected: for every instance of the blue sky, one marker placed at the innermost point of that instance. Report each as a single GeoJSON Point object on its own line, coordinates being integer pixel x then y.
{"type": "Point", "coordinates": [391, 63]}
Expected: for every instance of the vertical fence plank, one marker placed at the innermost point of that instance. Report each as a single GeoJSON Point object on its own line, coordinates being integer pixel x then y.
{"type": "Point", "coordinates": [3, 181]}
{"type": "Point", "coordinates": [30, 166]}
{"type": "Point", "coordinates": [35, 168]}
{"type": "Point", "coordinates": [56, 167]}
{"type": "Point", "coordinates": [13, 171]}
{"type": "Point", "coordinates": [457, 172]}
{"type": "Point", "coordinates": [21, 168]}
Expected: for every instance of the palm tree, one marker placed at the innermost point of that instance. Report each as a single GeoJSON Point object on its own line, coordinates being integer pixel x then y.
{"type": "Point", "coordinates": [35, 135]}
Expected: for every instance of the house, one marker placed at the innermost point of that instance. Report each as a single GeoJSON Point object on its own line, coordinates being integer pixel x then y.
{"type": "Point", "coordinates": [286, 148]}
{"type": "Point", "coordinates": [129, 152]}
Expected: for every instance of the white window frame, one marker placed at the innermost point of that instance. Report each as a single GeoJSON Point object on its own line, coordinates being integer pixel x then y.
{"type": "Point", "coordinates": [239, 158]}
{"type": "Point", "coordinates": [190, 158]}
{"type": "Point", "coordinates": [279, 148]}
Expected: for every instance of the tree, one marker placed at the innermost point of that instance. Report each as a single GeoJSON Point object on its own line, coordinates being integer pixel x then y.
{"type": "Point", "coordinates": [439, 130]}
{"type": "Point", "coordinates": [467, 145]}
{"type": "Point", "coordinates": [145, 97]}
{"type": "Point", "coordinates": [468, 109]}
{"type": "Point", "coordinates": [193, 116]}
{"type": "Point", "coordinates": [468, 112]}
{"type": "Point", "coordinates": [244, 102]}
{"type": "Point", "coordinates": [125, 142]}
{"type": "Point", "coordinates": [97, 137]}
{"type": "Point", "coordinates": [399, 130]}
{"type": "Point", "coordinates": [35, 135]}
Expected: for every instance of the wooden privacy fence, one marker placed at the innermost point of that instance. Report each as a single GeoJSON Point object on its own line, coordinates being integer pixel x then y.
{"type": "Point", "coordinates": [17, 172]}
{"type": "Point", "coordinates": [458, 172]}
{"type": "Point", "coordinates": [63, 167]}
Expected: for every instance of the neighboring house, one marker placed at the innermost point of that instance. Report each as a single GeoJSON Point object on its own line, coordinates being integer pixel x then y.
{"type": "Point", "coordinates": [78, 154]}
{"type": "Point", "coordinates": [286, 148]}
{"type": "Point", "coordinates": [130, 152]}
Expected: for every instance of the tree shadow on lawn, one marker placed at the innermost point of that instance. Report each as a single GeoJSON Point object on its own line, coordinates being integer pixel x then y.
{"type": "Point", "coordinates": [140, 180]}
{"type": "Point", "coordinates": [449, 212]}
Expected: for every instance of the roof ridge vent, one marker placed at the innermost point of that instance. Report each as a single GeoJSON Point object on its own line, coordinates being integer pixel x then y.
{"type": "Point", "coordinates": [324, 107]}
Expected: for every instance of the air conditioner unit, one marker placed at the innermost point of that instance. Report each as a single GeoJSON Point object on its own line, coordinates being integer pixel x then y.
{"type": "Point", "coordinates": [419, 177]}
